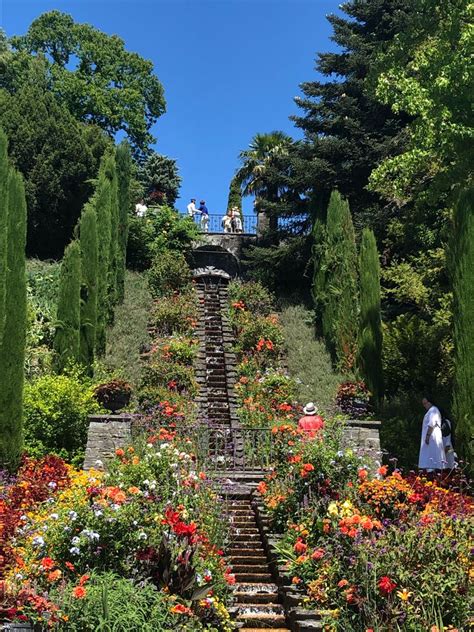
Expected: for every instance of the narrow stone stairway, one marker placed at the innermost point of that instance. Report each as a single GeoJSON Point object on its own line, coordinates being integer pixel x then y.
{"type": "Point", "coordinates": [256, 602]}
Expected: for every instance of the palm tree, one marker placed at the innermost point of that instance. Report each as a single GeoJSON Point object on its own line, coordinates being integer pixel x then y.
{"type": "Point", "coordinates": [253, 176]}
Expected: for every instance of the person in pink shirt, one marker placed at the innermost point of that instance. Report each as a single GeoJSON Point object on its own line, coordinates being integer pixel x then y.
{"type": "Point", "coordinates": [311, 423]}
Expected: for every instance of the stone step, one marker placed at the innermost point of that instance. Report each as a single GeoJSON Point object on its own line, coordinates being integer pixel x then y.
{"type": "Point", "coordinates": [243, 530]}
{"type": "Point", "coordinates": [253, 577]}
{"type": "Point", "coordinates": [238, 551]}
{"type": "Point", "coordinates": [264, 619]}
{"type": "Point", "coordinates": [243, 597]}
{"type": "Point", "coordinates": [249, 568]}
{"type": "Point", "coordinates": [256, 608]}
{"type": "Point", "coordinates": [260, 629]}
{"type": "Point", "coordinates": [236, 560]}
{"type": "Point", "coordinates": [255, 588]}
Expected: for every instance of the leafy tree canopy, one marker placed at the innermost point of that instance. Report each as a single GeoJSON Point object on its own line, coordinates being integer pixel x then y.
{"type": "Point", "coordinates": [96, 77]}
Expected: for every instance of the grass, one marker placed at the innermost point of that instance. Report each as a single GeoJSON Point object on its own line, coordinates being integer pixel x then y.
{"type": "Point", "coordinates": [308, 361]}
{"type": "Point", "coordinates": [129, 333]}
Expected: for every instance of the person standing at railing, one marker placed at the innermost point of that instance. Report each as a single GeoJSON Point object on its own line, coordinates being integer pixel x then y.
{"type": "Point", "coordinates": [226, 222]}
{"type": "Point", "coordinates": [192, 210]}
{"type": "Point", "coordinates": [204, 217]}
{"type": "Point", "coordinates": [236, 220]}
{"type": "Point", "coordinates": [312, 423]}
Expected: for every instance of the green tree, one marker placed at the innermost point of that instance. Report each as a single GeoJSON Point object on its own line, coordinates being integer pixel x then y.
{"type": "Point", "coordinates": [96, 77]}
{"type": "Point", "coordinates": [68, 317]}
{"type": "Point", "coordinates": [337, 295]}
{"type": "Point", "coordinates": [12, 348]}
{"type": "Point", "coordinates": [463, 289]}
{"type": "Point", "coordinates": [56, 155]}
{"type": "Point", "coordinates": [124, 164]}
{"type": "Point", "coordinates": [114, 252]}
{"type": "Point", "coordinates": [160, 179]}
{"type": "Point", "coordinates": [102, 202]}
{"type": "Point", "coordinates": [235, 195]}
{"type": "Point", "coordinates": [89, 270]}
{"type": "Point", "coordinates": [425, 72]}
{"type": "Point", "coordinates": [370, 323]}
{"type": "Point", "coordinates": [4, 168]}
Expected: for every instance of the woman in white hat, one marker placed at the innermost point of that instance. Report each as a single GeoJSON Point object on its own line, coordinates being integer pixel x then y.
{"type": "Point", "coordinates": [311, 423]}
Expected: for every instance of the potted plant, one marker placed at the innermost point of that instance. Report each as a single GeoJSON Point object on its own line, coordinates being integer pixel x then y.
{"type": "Point", "coordinates": [113, 395]}
{"type": "Point", "coordinates": [353, 398]}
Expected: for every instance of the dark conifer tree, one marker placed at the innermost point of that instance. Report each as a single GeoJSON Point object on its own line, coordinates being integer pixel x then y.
{"type": "Point", "coordinates": [68, 317]}
{"type": "Point", "coordinates": [114, 254]}
{"type": "Point", "coordinates": [463, 290]}
{"type": "Point", "coordinates": [370, 323]}
{"type": "Point", "coordinates": [102, 202]}
{"type": "Point", "coordinates": [89, 270]}
{"type": "Point", "coordinates": [337, 289]}
{"type": "Point", "coordinates": [235, 195]}
{"type": "Point", "coordinates": [4, 168]}
{"type": "Point", "coordinates": [123, 159]}
{"type": "Point", "coordinates": [12, 347]}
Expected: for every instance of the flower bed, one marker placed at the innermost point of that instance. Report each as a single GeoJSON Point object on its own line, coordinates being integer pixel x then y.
{"type": "Point", "coordinates": [383, 552]}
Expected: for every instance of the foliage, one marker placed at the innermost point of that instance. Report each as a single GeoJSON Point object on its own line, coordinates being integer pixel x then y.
{"type": "Point", "coordinates": [56, 155]}
{"type": "Point", "coordinates": [68, 326]}
{"type": "Point", "coordinates": [463, 288]}
{"type": "Point", "coordinates": [124, 166]}
{"type": "Point", "coordinates": [115, 245]}
{"type": "Point", "coordinates": [308, 361]}
{"type": "Point", "coordinates": [102, 202]}
{"type": "Point", "coordinates": [235, 195]}
{"type": "Point", "coordinates": [56, 409]}
{"type": "Point", "coordinates": [252, 296]}
{"type": "Point", "coordinates": [424, 73]}
{"type": "Point", "coordinates": [174, 314]}
{"type": "Point", "coordinates": [353, 399]}
{"type": "Point", "coordinates": [12, 346]}
{"type": "Point", "coordinates": [169, 273]}
{"type": "Point", "coordinates": [160, 179]}
{"type": "Point", "coordinates": [113, 392]}
{"type": "Point", "coordinates": [162, 229]}
{"type": "Point", "coordinates": [4, 168]}
{"type": "Point", "coordinates": [370, 324]}
{"type": "Point", "coordinates": [128, 337]}
{"type": "Point", "coordinates": [88, 240]}
{"type": "Point", "coordinates": [335, 288]}
{"type": "Point", "coordinates": [95, 77]}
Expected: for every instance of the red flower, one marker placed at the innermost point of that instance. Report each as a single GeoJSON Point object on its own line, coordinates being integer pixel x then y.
{"type": "Point", "coordinates": [79, 592]}
{"type": "Point", "coordinates": [180, 609]}
{"type": "Point", "coordinates": [386, 585]}
{"type": "Point", "coordinates": [362, 474]}
{"type": "Point", "coordinates": [317, 554]}
{"type": "Point", "coordinates": [47, 563]}
{"type": "Point", "coordinates": [300, 546]}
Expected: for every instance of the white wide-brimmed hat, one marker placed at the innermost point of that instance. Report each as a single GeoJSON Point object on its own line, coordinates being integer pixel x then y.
{"type": "Point", "coordinates": [310, 409]}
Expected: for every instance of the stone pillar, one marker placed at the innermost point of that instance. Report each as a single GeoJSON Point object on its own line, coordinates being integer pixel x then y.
{"type": "Point", "coordinates": [263, 223]}
{"type": "Point", "coordinates": [363, 436]}
{"type": "Point", "coordinates": [106, 433]}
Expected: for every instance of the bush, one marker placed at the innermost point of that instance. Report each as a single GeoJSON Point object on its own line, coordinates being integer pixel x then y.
{"type": "Point", "coordinates": [56, 408]}
{"type": "Point", "coordinates": [169, 273]}
{"type": "Point", "coordinates": [162, 230]}
{"type": "Point", "coordinates": [174, 314]}
{"type": "Point", "coordinates": [174, 376]}
{"type": "Point", "coordinates": [308, 360]}
{"type": "Point", "coordinates": [254, 296]}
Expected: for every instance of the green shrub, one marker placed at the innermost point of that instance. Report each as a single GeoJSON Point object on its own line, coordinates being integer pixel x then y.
{"type": "Point", "coordinates": [253, 328]}
{"type": "Point", "coordinates": [255, 297]}
{"type": "Point", "coordinates": [56, 408]}
{"type": "Point", "coordinates": [161, 230]}
{"type": "Point", "coordinates": [114, 603]}
{"type": "Point", "coordinates": [170, 374]}
{"type": "Point", "coordinates": [308, 360]}
{"type": "Point", "coordinates": [169, 273]}
{"type": "Point", "coordinates": [175, 314]}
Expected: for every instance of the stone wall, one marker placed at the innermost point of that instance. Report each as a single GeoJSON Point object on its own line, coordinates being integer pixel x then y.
{"type": "Point", "coordinates": [364, 437]}
{"type": "Point", "coordinates": [106, 433]}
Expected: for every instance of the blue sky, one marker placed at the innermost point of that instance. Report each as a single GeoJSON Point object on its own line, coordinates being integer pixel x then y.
{"type": "Point", "coordinates": [230, 69]}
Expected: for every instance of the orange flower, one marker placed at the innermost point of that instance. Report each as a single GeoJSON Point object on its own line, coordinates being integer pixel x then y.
{"type": "Point", "coordinates": [133, 490]}
{"type": "Point", "coordinates": [383, 469]}
{"type": "Point", "coordinates": [317, 554]}
{"type": "Point", "coordinates": [130, 450]}
{"type": "Point", "coordinates": [135, 460]}
{"type": "Point", "coordinates": [119, 452]}
{"type": "Point", "coordinates": [84, 579]}
{"type": "Point", "coordinates": [296, 580]}
{"type": "Point", "coordinates": [362, 474]}
{"type": "Point", "coordinates": [70, 566]}
{"type": "Point", "coordinates": [300, 546]}
{"type": "Point", "coordinates": [343, 583]}
{"type": "Point", "coordinates": [47, 563]}
{"type": "Point", "coordinates": [180, 609]}
{"type": "Point", "coordinates": [79, 592]}
{"type": "Point", "coordinates": [54, 575]}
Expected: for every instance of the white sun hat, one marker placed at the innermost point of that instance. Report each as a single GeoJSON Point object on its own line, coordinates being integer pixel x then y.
{"type": "Point", "coordinates": [310, 409]}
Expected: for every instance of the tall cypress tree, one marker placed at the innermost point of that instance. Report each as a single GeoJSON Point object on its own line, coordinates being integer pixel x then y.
{"type": "Point", "coordinates": [235, 195]}
{"type": "Point", "coordinates": [370, 324]}
{"type": "Point", "coordinates": [89, 269]}
{"type": "Point", "coordinates": [102, 209]}
{"type": "Point", "coordinates": [111, 173]}
{"type": "Point", "coordinates": [4, 168]}
{"type": "Point", "coordinates": [12, 347]}
{"type": "Point", "coordinates": [124, 164]}
{"type": "Point", "coordinates": [463, 291]}
{"type": "Point", "coordinates": [67, 336]}
{"type": "Point", "coordinates": [340, 295]}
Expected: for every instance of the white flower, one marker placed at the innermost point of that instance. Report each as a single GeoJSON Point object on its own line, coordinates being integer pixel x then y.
{"type": "Point", "coordinates": [99, 463]}
{"type": "Point", "coordinates": [23, 517]}
{"type": "Point", "coordinates": [98, 513]}
{"type": "Point", "coordinates": [142, 535]}
{"type": "Point", "coordinates": [75, 540]}
{"type": "Point", "coordinates": [54, 516]}
{"type": "Point", "coordinates": [74, 550]}
{"type": "Point", "coordinates": [38, 541]}
{"type": "Point", "coordinates": [52, 485]}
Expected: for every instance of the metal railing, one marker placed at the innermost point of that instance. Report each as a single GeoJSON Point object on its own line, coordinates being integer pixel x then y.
{"type": "Point", "coordinates": [220, 448]}
{"type": "Point", "coordinates": [214, 224]}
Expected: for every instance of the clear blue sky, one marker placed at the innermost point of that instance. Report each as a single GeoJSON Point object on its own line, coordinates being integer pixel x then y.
{"type": "Point", "coordinates": [230, 69]}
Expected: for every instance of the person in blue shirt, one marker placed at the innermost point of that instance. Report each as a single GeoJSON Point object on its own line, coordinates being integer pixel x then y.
{"type": "Point", "coordinates": [204, 217]}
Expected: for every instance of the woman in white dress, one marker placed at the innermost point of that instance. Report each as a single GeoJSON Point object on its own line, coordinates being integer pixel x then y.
{"type": "Point", "coordinates": [432, 456]}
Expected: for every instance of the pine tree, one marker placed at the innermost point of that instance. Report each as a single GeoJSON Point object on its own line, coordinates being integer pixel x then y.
{"type": "Point", "coordinates": [339, 286]}
{"type": "Point", "coordinates": [370, 324]}
{"type": "Point", "coordinates": [12, 348]}
{"type": "Point", "coordinates": [102, 209]}
{"type": "Point", "coordinates": [68, 317]}
{"type": "Point", "coordinates": [123, 159]}
{"type": "Point", "coordinates": [463, 291]}
{"type": "Point", "coordinates": [4, 168]}
{"type": "Point", "coordinates": [235, 195]}
{"type": "Point", "coordinates": [89, 269]}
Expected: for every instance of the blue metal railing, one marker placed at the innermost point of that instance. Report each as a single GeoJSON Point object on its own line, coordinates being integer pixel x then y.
{"type": "Point", "coordinates": [214, 224]}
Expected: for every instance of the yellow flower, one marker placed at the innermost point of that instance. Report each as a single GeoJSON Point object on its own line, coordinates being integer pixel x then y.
{"type": "Point", "coordinates": [332, 509]}
{"type": "Point", "coordinates": [404, 595]}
